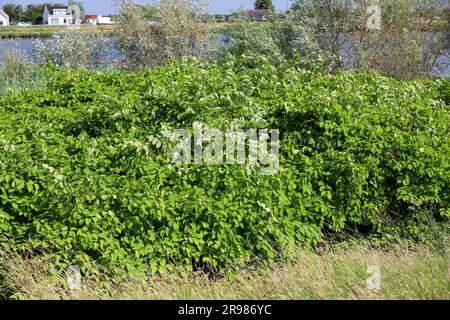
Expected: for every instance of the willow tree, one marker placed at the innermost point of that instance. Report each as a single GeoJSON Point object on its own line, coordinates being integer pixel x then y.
{"type": "Point", "coordinates": [178, 29]}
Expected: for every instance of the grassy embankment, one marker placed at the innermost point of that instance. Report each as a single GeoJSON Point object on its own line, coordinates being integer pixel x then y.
{"type": "Point", "coordinates": [340, 273]}
{"type": "Point", "coordinates": [14, 32]}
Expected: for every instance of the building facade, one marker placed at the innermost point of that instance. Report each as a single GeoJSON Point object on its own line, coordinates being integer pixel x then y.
{"type": "Point", "coordinates": [57, 16]}
{"type": "Point", "coordinates": [96, 19]}
{"type": "Point", "coordinates": [4, 19]}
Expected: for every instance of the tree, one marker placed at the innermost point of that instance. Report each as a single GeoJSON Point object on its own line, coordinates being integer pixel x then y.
{"type": "Point", "coordinates": [34, 13]}
{"type": "Point", "coordinates": [264, 5]}
{"type": "Point", "coordinates": [150, 12]}
{"type": "Point", "coordinates": [328, 23]}
{"type": "Point", "coordinates": [400, 49]}
{"type": "Point", "coordinates": [74, 49]}
{"type": "Point", "coordinates": [181, 30]}
{"type": "Point", "coordinates": [80, 5]}
{"type": "Point", "coordinates": [413, 35]}
{"type": "Point", "coordinates": [15, 12]}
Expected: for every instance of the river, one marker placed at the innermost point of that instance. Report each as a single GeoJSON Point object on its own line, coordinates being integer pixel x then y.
{"type": "Point", "coordinates": [442, 66]}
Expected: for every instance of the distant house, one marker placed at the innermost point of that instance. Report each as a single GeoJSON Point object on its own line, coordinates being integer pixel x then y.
{"type": "Point", "coordinates": [104, 20]}
{"type": "Point", "coordinates": [258, 15]}
{"type": "Point", "coordinates": [4, 19]}
{"type": "Point", "coordinates": [57, 16]}
{"type": "Point", "coordinates": [96, 19]}
{"type": "Point", "coordinates": [90, 19]}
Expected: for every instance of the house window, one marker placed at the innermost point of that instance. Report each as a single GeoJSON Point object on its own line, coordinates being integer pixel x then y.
{"type": "Point", "coordinates": [65, 21]}
{"type": "Point", "coordinates": [1, 23]}
{"type": "Point", "coordinates": [55, 21]}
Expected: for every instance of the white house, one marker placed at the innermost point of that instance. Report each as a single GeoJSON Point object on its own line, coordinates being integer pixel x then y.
{"type": "Point", "coordinates": [90, 19]}
{"type": "Point", "coordinates": [104, 20]}
{"type": "Point", "coordinates": [4, 19]}
{"type": "Point", "coordinates": [96, 19]}
{"type": "Point", "coordinates": [56, 16]}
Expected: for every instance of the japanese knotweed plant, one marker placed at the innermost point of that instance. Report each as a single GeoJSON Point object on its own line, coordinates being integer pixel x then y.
{"type": "Point", "coordinates": [86, 172]}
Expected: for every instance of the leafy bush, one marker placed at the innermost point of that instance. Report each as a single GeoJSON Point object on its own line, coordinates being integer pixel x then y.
{"type": "Point", "coordinates": [86, 173]}
{"type": "Point", "coordinates": [333, 35]}
{"type": "Point", "coordinates": [260, 39]}
{"type": "Point", "coordinates": [414, 34]}
{"type": "Point", "coordinates": [178, 29]}
{"type": "Point", "coordinates": [328, 23]}
{"type": "Point", "coordinates": [74, 49]}
{"type": "Point", "coordinates": [281, 41]}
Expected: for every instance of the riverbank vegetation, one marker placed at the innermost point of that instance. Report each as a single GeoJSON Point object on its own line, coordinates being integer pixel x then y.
{"type": "Point", "coordinates": [14, 32]}
{"type": "Point", "coordinates": [86, 164]}
{"type": "Point", "coordinates": [311, 34]}
{"type": "Point", "coordinates": [87, 178]}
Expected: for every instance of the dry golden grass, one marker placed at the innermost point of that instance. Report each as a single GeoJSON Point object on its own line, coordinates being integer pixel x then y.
{"type": "Point", "coordinates": [338, 274]}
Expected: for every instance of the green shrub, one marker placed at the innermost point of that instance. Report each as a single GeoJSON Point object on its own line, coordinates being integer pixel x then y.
{"type": "Point", "coordinates": [85, 167]}
{"type": "Point", "coordinates": [73, 48]}
{"type": "Point", "coordinates": [179, 29]}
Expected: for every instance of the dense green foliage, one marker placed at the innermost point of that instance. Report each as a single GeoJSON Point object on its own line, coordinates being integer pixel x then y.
{"type": "Point", "coordinates": [264, 5]}
{"type": "Point", "coordinates": [334, 35]}
{"type": "Point", "coordinates": [85, 166]}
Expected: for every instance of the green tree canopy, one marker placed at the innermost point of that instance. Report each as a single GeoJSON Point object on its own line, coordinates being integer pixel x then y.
{"type": "Point", "coordinates": [264, 5]}
{"type": "Point", "coordinates": [14, 11]}
{"type": "Point", "coordinates": [150, 11]}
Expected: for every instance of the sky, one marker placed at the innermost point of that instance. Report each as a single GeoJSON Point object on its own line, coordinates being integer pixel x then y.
{"type": "Point", "coordinates": [107, 6]}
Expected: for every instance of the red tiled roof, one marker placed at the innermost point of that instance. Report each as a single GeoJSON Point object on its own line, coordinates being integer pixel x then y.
{"type": "Point", "coordinates": [91, 16]}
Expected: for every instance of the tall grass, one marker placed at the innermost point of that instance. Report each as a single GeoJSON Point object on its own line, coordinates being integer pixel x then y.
{"type": "Point", "coordinates": [337, 273]}
{"type": "Point", "coordinates": [17, 73]}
